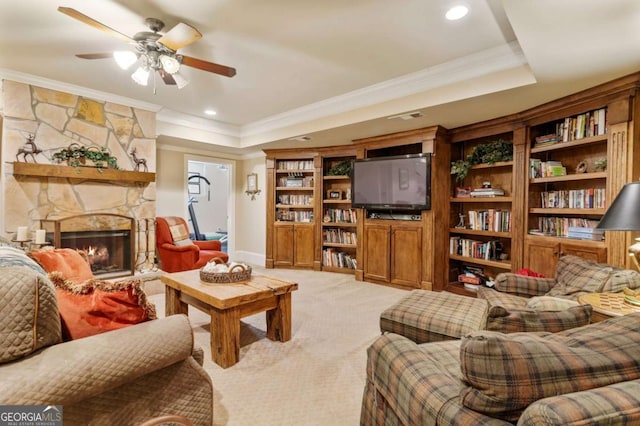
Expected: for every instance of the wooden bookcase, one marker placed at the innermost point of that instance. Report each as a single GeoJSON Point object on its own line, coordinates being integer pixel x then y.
{"type": "Point", "coordinates": [339, 221]}
{"type": "Point", "coordinates": [567, 190]}
{"type": "Point", "coordinates": [482, 230]}
{"type": "Point", "coordinates": [292, 212]}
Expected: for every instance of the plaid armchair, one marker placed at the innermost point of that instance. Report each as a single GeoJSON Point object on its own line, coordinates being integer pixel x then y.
{"type": "Point", "coordinates": [517, 303]}
{"type": "Point", "coordinates": [586, 375]}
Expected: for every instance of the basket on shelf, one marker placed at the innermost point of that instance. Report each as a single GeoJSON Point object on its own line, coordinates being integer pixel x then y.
{"type": "Point", "coordinates": [235, 273]}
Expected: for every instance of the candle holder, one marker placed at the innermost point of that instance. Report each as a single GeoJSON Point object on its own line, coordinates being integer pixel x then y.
{"type": "Point", "coordinates": [23, 243]}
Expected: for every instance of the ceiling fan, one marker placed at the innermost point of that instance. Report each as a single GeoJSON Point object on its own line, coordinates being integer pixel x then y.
{"type": "Point", "coordinates": [153, 51]}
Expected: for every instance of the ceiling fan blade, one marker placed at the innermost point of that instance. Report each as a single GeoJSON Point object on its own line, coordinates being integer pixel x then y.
{"type": "Point", "coordinates": [94, 55]}
{"type": "Point", "coordinates": [166, 77]}
{"type": "Point", "coordinates": [208, 66]}
{"type": "Point", "coordinates": [95, 24]}
{"type": "Point", "coordinates": [180, 36]}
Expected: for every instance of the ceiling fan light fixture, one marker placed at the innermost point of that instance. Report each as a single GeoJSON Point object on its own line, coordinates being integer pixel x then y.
{"type": "Point", "coordinates": [141, 76]}
{"type": "Point", "coordinates": [125, 58]}
{"type": "Point", "coordinates": [180, 80]}
{"type": "Point", "coordinates": [169, 63]}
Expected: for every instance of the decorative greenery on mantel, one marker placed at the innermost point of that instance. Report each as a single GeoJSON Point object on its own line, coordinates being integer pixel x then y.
{"type": "Point", "coordinates": [489, 153]}
{"type": "Point", "coordinates": [76, 155]}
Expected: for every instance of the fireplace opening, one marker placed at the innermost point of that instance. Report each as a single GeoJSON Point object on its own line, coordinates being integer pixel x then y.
{"type": "Point", "coordinates": [107, 252]}
{"type": "Point", "coordinates": [105, 240]}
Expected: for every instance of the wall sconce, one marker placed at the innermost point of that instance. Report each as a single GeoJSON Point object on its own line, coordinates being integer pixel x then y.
{"type": "Point", "coordinates": [252, 185]}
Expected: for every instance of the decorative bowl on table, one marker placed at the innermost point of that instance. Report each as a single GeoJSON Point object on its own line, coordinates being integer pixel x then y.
{"type": "Point", "coordinates": [217, 271]}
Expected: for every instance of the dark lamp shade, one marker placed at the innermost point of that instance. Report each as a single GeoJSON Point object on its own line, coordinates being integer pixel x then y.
{"type": "Point", "coordinates": [624, 213]}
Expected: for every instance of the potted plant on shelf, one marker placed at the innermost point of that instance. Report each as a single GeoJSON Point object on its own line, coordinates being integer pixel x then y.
{"type": "Point", "coordinates": [77, 155]}
{"type": "Point", "coordinates": [490, 153]}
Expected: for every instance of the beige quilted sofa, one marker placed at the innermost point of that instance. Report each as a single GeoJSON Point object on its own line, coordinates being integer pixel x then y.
{"type": "Point", "coordinates": [121, 377]}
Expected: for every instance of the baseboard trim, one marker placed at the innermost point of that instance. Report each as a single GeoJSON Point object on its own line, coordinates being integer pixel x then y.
{"type": "Point", "coordinates": [253, 258]}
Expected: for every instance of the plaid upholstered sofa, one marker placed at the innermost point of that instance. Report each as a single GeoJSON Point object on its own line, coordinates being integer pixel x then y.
{"type": "Point", "coordinates": [588, 375]}
{"type": "Point", "coordinates": [120, 377]}
{"type": "Point", "coordinates": [517, 303]}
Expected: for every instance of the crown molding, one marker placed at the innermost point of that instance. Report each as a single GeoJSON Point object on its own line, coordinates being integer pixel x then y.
{"type": "Point", "coordinates": [35, 80]}
{"type": "Point", "coordinates": [176, 118]}
{"type": "Point", "coordinates": [472, 66]}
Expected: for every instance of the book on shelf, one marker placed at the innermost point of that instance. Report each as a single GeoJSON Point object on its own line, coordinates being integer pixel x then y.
{"type": "Point", "coordinates": [585, 233]}
{"type": "Point", "coordinates": [589, 198]}
{"type": "Point", "coordinates": [487, 192]}
{"type": "Point", "coordinates": [588, 124]}
{"type": "Point", "coordinates": [540, 169]}
{"type": "Point", "coordinates": [545, 140]}
{"type": "Point", "coordinates": [338, 259]}
{"type": "Point", "coordinates": [559, 226]}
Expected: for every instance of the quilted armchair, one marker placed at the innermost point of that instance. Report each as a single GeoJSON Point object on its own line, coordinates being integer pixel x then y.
{"type": "Point", "coordinates": [178, 252]}
{"type": "Point", "coordinates": [120, 377]}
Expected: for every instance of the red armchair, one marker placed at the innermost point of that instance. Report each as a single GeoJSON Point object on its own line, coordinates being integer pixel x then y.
{"type": "Point", "coordinates": [177, 252]}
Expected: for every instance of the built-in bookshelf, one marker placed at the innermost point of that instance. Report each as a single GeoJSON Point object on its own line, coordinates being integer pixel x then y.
{"type": "Point", "coordinates": [566, 188]}
{"type": "Point", "coordinates": [295, 191]}
{"type": "Point", "coordinates": [339, 221]}
{"type": "Point", "coordinates": [567, 174]}
{"type": "Point", "coordinates": [480, 228]}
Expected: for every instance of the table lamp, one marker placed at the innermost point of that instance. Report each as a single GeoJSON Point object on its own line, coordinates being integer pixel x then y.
{"type": "Point", "coordinates": [624, 215]}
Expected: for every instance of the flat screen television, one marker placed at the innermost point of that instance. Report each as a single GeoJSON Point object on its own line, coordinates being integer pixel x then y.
{"type": "Point", "coordinates": [400, 182]}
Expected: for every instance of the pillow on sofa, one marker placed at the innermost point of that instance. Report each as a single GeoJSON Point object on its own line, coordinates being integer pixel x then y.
{"type": "Point", "coordinates": [514, 320]}
{"type": "Point", "coordinates": [576, 275]}
{"type": "Point", "coordinates": [68, 262]}
{"type": "Point", "coordinates": [507, 372]}
{"type": "Point", "coordinates": [11, 256]}
{"type": "Point", "coordinates": [29, 318]}
{"type": "Point", "coordinates": [96, 306]}
{"type": "Point", "coordinates": [549, 303]}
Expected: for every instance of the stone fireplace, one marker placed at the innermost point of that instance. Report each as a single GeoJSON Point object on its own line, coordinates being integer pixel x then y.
{"type": "Point", "coordinates": [45, 192]}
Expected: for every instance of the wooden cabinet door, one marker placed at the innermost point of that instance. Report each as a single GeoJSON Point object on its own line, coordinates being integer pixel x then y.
{"type": "Point", "coordinates": [406, 259]}
{"type": "Point", "coordinates": [596, 254]}
{"type": "Point", "coordinates": [377, 251]}
{"type": "Point", "coordinates": [303, 246]}
{"type": "Point", "coordinates": [283, 244]}
{"type": "Point", "coordinates": [542, 256]}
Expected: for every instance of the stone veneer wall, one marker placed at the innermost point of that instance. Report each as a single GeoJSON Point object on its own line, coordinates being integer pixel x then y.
{"type": "Point", "coordinates": [57, 120]}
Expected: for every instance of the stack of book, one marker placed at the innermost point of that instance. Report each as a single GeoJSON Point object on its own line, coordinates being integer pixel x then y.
{"type": "Point", "coordinates": [547, 139]}
{"type": "Point", "coordinates": [487, 192]}
{"type": "Point", "coordinates": [540, 169]}
{"type": "Point", "coordinates": [585, 233]}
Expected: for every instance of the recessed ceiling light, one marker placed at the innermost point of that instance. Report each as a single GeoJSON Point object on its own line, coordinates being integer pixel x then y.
{"type": "Point", "coordinates": [210, 112]}
{"type": "Point", "coordinates": [457, 12]}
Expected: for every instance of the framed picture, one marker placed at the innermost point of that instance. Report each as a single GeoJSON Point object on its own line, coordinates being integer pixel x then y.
{"type": "Point", "coordinates": [334, 194]}
{"type": "Point", "coordinates": [193, 184]}
{"type": "Point", "coordinates": [252, 185]}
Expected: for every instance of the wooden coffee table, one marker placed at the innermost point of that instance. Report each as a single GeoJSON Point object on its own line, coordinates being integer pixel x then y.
{"type": "Point", "coordinates": [227, 303]}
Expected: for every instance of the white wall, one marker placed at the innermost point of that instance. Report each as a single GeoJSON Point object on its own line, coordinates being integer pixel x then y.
{"type": "Point", "coordinates": [251, 223]}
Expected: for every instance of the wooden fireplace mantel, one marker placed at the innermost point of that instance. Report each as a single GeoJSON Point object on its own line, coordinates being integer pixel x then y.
{"type": "Point", "coordinates": [91, 173]}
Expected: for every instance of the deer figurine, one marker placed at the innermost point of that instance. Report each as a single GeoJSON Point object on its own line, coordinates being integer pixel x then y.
{"type": "Point", "coordinates": [139, 161]}
{"type": "Point", "coordinates": [29, 148]}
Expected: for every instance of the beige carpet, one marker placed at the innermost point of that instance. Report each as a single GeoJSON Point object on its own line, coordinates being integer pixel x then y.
{"type": "Point", "coordinates": [316, 378]}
